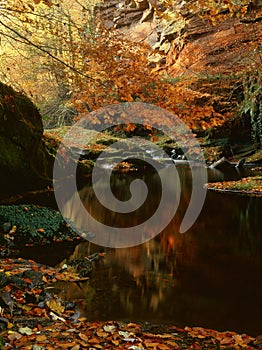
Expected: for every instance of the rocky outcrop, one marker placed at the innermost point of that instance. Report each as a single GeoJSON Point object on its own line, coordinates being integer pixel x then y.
{"type": "Point", "coordinates": [227, 47]}
{"type": "Point", "coordinates": [185, 42]}
{"type": "Point", "coordinates": [24, 160]}
{"type": "Point", "coordinates": [134, 18]}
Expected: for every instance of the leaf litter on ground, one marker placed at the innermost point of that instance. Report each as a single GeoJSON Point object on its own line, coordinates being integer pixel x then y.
{"type": "Point", "coordinates": [38, 320]}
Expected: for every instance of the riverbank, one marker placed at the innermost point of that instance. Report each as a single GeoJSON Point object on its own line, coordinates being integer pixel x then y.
{"type": "Point", "coordinates": [33, 317]}
{"type": "Point", "coordinates": [251, 186]}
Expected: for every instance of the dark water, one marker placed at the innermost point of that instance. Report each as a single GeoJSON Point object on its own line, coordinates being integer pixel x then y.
{"type": "Point", "coordinates": [210, 276]}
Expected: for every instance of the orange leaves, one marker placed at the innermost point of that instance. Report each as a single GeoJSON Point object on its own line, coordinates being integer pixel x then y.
{"type": "Point", "coordinates": [225, 339]}
{"type": "Point", "coordinates": [38, 312]}
{"type": "Point", "coordinates": [130, 127]}
{"type": "Point", "coordinates": [128, 78]}
{"type": "Point", "coordinates": [49, 3]}
{"type": "Point", "coordinates": [81, 334]}
{"type": "Point", "coordinates": [250, 185]}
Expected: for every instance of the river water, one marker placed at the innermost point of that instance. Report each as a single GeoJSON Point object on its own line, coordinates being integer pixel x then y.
{"type": "Point", "coordinates": [209, 276]}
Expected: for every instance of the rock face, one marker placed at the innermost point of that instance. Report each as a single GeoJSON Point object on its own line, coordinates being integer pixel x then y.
{"type": "Point", "coordinates": [227, 47]}
{"type": "Point", "coordinates": [185, 43]}
{"type": "Point", "coordinates": [24, 160]}
{"type": "Point", "coordinates": [134, 18]}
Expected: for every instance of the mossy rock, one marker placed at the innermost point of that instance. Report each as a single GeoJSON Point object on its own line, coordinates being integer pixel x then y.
{"type": "Point", "coordinates": [24, 160]}
{"type": "Point", "coordinates": [35, 224]}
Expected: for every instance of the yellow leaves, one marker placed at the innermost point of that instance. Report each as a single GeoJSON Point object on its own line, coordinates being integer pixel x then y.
{"type": "Point", "coordinates": [243, 9]}
{"type": "Point", "coordinates": [219, 11]}
{"type": "Point", "coordinates": [56, 306]}
{"type": "Point", "coordinates": [101, 334]}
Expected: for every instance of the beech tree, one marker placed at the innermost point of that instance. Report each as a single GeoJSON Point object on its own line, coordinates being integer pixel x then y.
{"type": "Point", "coordinates": [60, 55]}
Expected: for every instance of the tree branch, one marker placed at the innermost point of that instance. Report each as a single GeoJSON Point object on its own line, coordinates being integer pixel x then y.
{"type": "Point", "coordinates": [31, 43]}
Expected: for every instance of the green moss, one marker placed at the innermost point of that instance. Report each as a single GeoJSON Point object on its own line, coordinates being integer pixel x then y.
{"type": "Point", "coordinates": [24, 160]}
{"type": "Point", "coordinates": [35, 224]}
{"type": "Point", "coordinates": [257, 156]}
{"type": "Point", "coordinates": [10, 155]}
{"type": "Point", "coordinates": [2, 343]}
{"type": "Point", "coordinates": [248, 185]}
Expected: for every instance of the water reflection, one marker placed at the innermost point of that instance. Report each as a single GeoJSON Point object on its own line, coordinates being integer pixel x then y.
{"type": "Point", "coordinates": [209, 276]}
{"type": "Point", "coordinates": [144, 221]}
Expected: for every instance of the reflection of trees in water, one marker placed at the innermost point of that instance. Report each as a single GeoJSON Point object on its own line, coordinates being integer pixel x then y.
{"type": "Point", "coordinates": [174, 271]}
{"type": "Point", "coordinates": [248, 217]}
{"type": "Point", "coordinates": [151, 269]}
{"type": "Point", "coordinates": [189, 276]}
{"type": "Point", "coordinates": [139, 278]}
{"type": "Point", "coordinates": [120, 184]}
{"type": "Point", "coordinates": [81, 293]}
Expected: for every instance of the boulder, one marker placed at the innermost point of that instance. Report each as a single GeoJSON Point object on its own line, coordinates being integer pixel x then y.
{"type": "Point", "coordinates": [24, 160]}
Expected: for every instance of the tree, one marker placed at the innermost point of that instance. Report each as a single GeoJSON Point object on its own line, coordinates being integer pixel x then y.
{"type": "Point", "coordinates": [38, 46]}
{"type": "Point", "coordinates": [59, 53]}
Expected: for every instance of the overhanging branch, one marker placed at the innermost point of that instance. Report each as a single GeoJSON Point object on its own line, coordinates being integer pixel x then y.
{"type": "Point", "coordinates": [31, 43]}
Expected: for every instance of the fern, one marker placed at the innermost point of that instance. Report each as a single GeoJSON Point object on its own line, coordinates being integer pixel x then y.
{"type": "Point", "coordinates": [252, 105]}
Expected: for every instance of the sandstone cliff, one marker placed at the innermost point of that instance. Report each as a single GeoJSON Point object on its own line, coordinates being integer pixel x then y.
{"type": "Point", "coordinates": [185, 41]}
{"type": "Point", "coordinates": [223, 54]}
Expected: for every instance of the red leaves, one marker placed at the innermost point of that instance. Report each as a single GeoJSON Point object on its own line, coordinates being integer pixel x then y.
{"type": "Point", "coordinates": [225, 339]}
{"type": "Point", "coordinates": [65, 332]}
{"type": "Point", "coordinates": [112, 335]}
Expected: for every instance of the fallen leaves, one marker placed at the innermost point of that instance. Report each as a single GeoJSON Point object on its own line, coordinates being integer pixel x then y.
{"type": "Point", "coordinates": [112, 335]}
{"type": "Point", "coordinates": [56, 306]}
{"type": "Point", "coordinates": [248, 185]}
{"type": "Point", "coordinates": [54, 327]}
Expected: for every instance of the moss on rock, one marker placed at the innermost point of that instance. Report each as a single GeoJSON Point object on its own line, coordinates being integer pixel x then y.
{"type": "Point", "coordinates": [24, 160]}
{"type": "Point", "coordinates": [34, 224]}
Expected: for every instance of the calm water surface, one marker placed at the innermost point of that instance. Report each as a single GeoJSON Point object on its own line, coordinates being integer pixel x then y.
{"type": "Point", "coordinates": [210, 276]}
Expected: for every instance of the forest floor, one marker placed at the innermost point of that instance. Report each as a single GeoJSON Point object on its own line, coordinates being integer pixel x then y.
{"type": "Point", "coordinates": [34, 318]}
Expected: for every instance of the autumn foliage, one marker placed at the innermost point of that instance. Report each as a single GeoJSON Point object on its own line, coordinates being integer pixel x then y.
{"type": "Point", "coordinates": [122, 74]}
{"type": "Point", "coordinates": [62, 56]}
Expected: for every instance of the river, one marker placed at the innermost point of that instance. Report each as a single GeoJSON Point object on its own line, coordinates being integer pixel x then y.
{"type": "Point", "coordinates": [209, 276]}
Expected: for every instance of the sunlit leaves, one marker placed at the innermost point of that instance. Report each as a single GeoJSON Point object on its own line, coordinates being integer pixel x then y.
{"type": "Point", "coordinates": [220, 10]}
{"type": "Point", "coordinates": [45, 32]}
{"type": "Point", "coordinates": [74, 56]}
{"type": "Point", "coordinates": [129, 79]}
